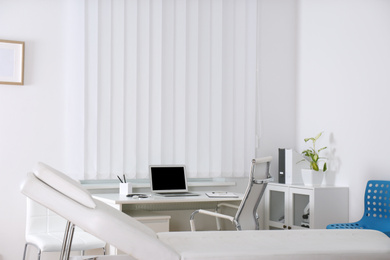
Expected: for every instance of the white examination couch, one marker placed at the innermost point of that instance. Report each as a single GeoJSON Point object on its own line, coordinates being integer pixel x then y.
{"type": "Point", "coordinates": [69, 199]}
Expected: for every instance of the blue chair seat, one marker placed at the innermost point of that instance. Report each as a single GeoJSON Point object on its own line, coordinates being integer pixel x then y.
{"type": "Point", "coordinates": [376, 209]}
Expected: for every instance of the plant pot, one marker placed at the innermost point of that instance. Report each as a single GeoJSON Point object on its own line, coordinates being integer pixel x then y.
{"type": "Point", "coordinates": [311, 177]}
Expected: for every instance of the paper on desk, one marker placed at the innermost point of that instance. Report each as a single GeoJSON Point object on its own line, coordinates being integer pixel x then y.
{"type": "Point", "coordinates": [221, 194]}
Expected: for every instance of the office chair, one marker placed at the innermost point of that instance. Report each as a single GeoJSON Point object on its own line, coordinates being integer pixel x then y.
{"type": "Point", "coordinates": [376, 209]}
{"type": "Point", "coordinates": [246, 217]}
{"type": "Point", "coordinates": [45, 231]}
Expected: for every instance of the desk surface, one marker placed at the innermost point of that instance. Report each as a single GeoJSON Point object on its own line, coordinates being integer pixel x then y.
{"type": "Point", "coordinates": [119, 199]}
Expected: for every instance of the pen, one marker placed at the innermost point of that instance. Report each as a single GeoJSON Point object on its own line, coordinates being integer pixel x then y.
{"type": "Point", "coordinates": [124, 178]}
{"type": "Point", "coordinates": [119, 179]}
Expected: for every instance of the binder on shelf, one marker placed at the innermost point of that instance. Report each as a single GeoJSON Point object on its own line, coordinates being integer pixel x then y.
{"type": "Point", "coordinates": [289, 168]}
{"type": "Point", "coordinates": [282, 166]}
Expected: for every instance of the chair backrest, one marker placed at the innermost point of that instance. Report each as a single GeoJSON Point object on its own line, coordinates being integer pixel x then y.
{"type": "Point", "coordinates": [246, 217]}
{"type": "Point", "coordinates": [377, 203]}
{"type": "Point", "coordinates": [40, 220]}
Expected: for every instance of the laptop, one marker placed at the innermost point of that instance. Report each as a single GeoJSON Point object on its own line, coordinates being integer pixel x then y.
{"type": "Point", "coordinates": [169, 180]}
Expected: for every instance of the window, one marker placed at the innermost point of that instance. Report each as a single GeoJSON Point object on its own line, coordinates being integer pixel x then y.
{"type": "Point", "coordinates": [170, 81]}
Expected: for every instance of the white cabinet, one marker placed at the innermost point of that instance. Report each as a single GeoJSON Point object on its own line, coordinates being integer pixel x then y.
{"type": "Point", "coordinates": [154, 220]}
{"type": "Point", "coordinates": [286, 206]}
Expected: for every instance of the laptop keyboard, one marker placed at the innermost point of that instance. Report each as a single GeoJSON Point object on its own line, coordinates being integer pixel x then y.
{"type": "Point", "coordinates": [178, 194]}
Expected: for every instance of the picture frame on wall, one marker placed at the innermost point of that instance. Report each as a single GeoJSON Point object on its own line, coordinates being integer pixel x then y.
{"type": "Point", "coordinates": [11, 62]}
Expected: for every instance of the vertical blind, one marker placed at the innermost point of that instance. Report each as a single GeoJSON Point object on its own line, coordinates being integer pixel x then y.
{"type": "Point", "coordinates": [170, 82]}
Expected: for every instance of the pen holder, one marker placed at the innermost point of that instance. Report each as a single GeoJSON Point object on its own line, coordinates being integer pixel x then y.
{"type": "Point", "coordinates": [125, 188]}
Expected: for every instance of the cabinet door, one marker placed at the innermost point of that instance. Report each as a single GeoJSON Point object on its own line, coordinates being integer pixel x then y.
{"type": "Point", "coordinates": [300, 205]}
{"type": "Point", "coordinates": [276, 205]}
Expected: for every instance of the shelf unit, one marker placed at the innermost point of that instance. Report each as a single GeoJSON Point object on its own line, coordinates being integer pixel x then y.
{"type": "Point", "coordinates": [285, 206]}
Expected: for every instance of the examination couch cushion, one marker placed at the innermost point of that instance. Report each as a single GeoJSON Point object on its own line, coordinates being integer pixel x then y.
{"type": "Point", "coordinates": [64, 184]}
{"type": "Point", "coordinates": [279, 244]}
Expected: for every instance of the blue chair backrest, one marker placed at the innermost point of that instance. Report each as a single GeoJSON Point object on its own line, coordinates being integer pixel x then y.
{"type": "Point", "coordinates": [377, 202]}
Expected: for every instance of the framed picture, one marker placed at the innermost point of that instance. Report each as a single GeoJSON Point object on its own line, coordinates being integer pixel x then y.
{"type": "Point", "coordinates": [11, 62]}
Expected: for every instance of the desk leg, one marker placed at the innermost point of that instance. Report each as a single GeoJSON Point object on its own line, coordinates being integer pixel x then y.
{"type": "Point", "coordinates": [112, 250]}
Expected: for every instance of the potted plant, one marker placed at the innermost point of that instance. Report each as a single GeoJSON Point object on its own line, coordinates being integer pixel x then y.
{"type": "Point", "coordinates": [313, 176]}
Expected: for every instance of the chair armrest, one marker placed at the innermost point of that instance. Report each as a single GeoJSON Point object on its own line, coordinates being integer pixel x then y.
{"type": "Point", "coordinates": [268, 180]}
{"type": "Point", "coordinates": [210, 213]}
{"type": "Point", "coordinates": [227, 205]}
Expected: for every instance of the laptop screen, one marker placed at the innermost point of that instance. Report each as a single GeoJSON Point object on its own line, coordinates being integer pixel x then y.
{"type": "Point", "coordinates": [168, 178]}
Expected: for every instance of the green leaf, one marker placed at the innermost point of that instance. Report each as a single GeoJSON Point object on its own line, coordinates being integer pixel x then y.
{"type": "Point", "coordinates": [308, 139]}
{"type": "Point", "coordinates": [301, 161]}
{"type": "Point", "coordinates": [307, 152]}
{"type": "Point", "coordinates": [315, 157]}
{"type": "Point", "coordinates": [325, 167]}
{"type": "Point", "coordinates": [318, 136]}
{"type": "Point", "coordinates": [323, 148]}
{"type": "Point", "coordinates": [314, 166]}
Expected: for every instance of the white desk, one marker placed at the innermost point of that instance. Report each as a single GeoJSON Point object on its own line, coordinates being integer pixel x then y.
{"type": "Point", "coordinates": [120, 201]}
{"type": "Point", "coordinates": [178, 208]}
{"type": "Point", "coordinates": [164, 213]}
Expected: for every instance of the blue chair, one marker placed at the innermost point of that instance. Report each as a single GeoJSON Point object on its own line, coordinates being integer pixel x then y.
{"type": "Point", "coordinates": [376, 209]}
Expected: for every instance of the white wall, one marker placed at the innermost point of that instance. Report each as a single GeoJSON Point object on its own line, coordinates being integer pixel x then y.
{"type": "Point", "coordinates": [31, 116]}
{"type": "Point", "coordinates": [277, 77]}
{"type": "Point", "coordinates": [343, 87]}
